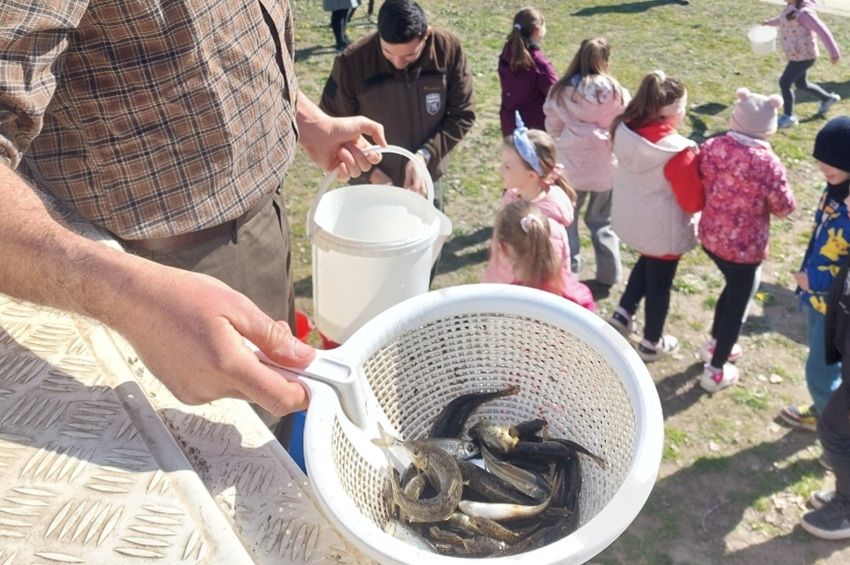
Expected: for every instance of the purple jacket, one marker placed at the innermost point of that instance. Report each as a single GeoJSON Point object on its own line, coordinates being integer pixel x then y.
{"type": "Point", "coordinates": [524, 90]}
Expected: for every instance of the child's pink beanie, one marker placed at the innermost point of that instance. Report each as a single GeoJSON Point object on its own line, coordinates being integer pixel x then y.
{"type": "Point", "coordinates": [755, 114]}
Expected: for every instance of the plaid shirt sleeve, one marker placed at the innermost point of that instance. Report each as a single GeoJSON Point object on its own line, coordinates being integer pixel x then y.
{"type": "Point", "coordinates": [33, 37]}
{"type": "Point", "coordinates": [148, 118]}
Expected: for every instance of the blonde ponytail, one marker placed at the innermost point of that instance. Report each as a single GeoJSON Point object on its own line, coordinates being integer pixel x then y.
{"type": "Point", "coordinates": [524, 229]}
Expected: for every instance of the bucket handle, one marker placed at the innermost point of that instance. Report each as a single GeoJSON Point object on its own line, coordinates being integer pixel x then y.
{"type": "Point", "coordinates": [331, 177]}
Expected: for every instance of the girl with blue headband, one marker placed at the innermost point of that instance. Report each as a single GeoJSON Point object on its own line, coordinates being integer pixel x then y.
{"type": "Point", "coordinates": [530, 173]}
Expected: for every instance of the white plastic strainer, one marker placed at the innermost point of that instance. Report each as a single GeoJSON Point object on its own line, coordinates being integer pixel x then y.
{"type": "Point", "coordinates": [572, 368]}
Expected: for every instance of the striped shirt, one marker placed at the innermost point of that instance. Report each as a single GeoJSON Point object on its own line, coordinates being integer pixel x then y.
{"type": "Point", "coordinates": [149, 118]}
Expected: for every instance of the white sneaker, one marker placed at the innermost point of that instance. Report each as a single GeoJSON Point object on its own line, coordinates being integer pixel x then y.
{"type": "Point", "coordinates": [706, 352]}
{"type": "Point", "coordinates": [713, 379]}
{"type": "Point", "coordinates": [786, 121]}
{"type": "Point", "coordinates": [649, 351]}
{"type": "Point", "coordinates": [825, 105]}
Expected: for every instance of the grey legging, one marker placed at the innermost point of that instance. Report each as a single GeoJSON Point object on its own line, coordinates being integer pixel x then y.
{"type": "Point", "coordinates": [795, 74]}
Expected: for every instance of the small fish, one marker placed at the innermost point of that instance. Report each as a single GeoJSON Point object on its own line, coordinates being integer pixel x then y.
{"type": "Point", "coordinates": [538, 538]}
{"type": "Point", "coordinates": [528, 430]}
{"type": "Point", "coordinates": [415, 486]}
{"type": "Point", "coordinates": [457, 448]}
{"type": "Point", "coordinates": [409, 474]}
{"type": "Point", "coordinates": [554, 449]}
{"type": "Point", "coordinates": [450, 543]}
{"type": "Point", "coordinates": [581, 449]}
{"type": "Point", "coordinates": [444, 475]}
{"type": "Point", "coordinates": [506, 512]}
{"type": "Point", "coordinates": [500, 511]}
{"type": "Point", "coordinates": [408, 535]}
{"type": "Point", "coordinates": [416, 510]}
{"type": "Point", "coordinates": [442, 472]}
{"type": "Point", "coordinates": [489, 486]}
{"type": "Point", "coordinates": [452, 419]}
{"type": "Point", "coordinates": [500, 437]}
{"type": "Point", "coordinates": [482, 526]}
{"type": "Point", "coordinates": [524, 481]}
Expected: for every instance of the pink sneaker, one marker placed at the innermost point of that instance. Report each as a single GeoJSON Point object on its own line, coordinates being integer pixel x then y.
{"type": "Point", "coordinates": [706, 352]}
{"type": "Point", "coordinates": [713, 379]}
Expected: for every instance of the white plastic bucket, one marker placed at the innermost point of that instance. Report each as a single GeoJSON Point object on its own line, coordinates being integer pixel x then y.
{"type": "Point", "coordinates": [762, 39]}
{"type": "Point", "coordinates": [373, 247]}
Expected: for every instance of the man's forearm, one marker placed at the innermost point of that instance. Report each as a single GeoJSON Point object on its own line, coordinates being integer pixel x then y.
{"type": "Point", "coordinates": [46, 263]}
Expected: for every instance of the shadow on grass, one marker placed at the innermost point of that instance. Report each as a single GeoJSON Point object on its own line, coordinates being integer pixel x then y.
{"type": "Point", "coordinates": [680, 391]}
{"type": "Point", "coordinates": [701, 495]}
{"type": "Point", "coordinates": [302, 55]}
{"type": "Point", "coordinates": [783, 304]}
{"type": "Point", "coordinates": [626, 7]}
{"type": "Point", "coordinates": [464, 250]}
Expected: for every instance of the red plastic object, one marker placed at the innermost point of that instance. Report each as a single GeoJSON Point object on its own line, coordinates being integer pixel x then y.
{"type": "Point", "coordinates": [303, 326]}
{"type": "Point", "coordinates": [327, 343]}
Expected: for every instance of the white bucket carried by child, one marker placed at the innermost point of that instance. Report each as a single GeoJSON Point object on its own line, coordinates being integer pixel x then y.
{"type": "Point", "coordinates": [762, 39]}
{"type": "Point", "coordinates": [373, 247]}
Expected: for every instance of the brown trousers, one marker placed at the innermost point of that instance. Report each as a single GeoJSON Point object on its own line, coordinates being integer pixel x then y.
{"type": "Point", "coordinates": [255, 260]}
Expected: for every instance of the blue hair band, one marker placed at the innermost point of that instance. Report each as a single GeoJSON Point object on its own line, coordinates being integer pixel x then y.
{"type": "Point", "coordinates": [524, 146]}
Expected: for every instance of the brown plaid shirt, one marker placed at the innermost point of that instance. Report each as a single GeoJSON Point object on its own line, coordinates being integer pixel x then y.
{"type": "Point", "coordinates": [149, 118]}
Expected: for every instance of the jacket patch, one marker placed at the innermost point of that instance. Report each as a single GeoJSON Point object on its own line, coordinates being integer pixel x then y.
{"type": "Point", "coordinates": [433, 102]}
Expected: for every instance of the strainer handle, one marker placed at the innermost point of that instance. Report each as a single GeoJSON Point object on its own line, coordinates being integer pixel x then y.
{"type": "Point", "coordinates": [330, 178]}
{"type": "Point", "coordinates": [339, 376]}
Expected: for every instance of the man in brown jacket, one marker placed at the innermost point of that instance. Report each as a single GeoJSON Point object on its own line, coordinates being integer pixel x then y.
{"type": "Point", "coordinates": [414, 80]}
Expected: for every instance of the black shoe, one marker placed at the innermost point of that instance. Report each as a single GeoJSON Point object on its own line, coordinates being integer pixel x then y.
{"type": "Point", "coordinates": [831, 521]}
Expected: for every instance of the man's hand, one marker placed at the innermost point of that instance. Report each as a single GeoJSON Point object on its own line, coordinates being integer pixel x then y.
{"type": "Point", "coordinates": [378, 176]}
{"type": "Point", "coordinates": [337, 143]}
{"type": "Point", "coordinates": [413, 180]}
{"type": "Point", "coordinates": [189, 330]}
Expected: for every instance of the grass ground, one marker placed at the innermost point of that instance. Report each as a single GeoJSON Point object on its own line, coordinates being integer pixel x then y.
{"type": "Point", "coordinates": [733, 481]}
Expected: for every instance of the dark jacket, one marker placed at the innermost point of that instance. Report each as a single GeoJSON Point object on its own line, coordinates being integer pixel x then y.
{"type": "Point", "coordinates": [837, 324]}
{"type": "Point", "coordinates": [427, 105]}
{"type": "Point", "coordinates": [524, 90]}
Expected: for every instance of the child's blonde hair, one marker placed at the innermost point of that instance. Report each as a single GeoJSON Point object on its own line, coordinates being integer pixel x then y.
{"type": "Point", "coordinates": [522, 227]}
{"type": "Point", "coordinates": [590, 60]}
{"type": "Point", "coordinates": [655, 92]}
{"type": "Point", "coordinates": [526, 21]}
{"type": "Point", "coordinates": [544, 147]}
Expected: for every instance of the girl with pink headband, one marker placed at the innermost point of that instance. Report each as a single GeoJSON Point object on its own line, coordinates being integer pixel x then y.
{"type": "Point", "coordinates": [530, 174]}
{"type": "Point", "coordinates": [657, 191]}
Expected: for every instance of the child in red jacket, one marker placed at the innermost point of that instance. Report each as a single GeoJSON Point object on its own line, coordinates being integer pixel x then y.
{"type": "Point", "coordinates": [657, 189]}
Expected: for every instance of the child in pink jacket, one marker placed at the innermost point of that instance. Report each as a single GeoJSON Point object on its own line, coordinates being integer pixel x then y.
{"type": "Point", "coordinates": [530, 173]}
{"type": "Point", "coordinates": [536, 248]}
{"type": "Point", "coordinates": [745, 183]}
{"type": "Point", "coordinates": [798, 26]}
{"type": "Point", "coordinates": [579, 111]}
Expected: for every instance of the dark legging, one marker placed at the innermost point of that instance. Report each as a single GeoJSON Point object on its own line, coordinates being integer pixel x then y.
{"type": "Point", "coordinates": [729, 311]}
{"type": "Point", "coordinates": [653, 279]}
{"type": "Point", "coordinates": [834, 435]}
{"type": "Point", "coordinates": [340, 19]}
{"type": "Point", "coordinates": [795, 74]}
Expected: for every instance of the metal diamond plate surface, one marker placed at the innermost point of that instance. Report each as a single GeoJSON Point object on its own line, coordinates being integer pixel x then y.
{"type": "Point", "coordinates": [99, 463]}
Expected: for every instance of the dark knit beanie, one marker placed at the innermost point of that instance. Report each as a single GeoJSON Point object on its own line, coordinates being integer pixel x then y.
{"type": "Point", "coordinates": [832, 144]}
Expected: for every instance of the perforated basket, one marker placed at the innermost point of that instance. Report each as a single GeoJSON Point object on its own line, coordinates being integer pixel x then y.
{"type": "Point", "coordinates": [572, 368]}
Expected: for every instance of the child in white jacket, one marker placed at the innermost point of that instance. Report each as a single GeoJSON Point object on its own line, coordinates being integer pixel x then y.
{"type": "Point", "coordinates": [579, 111]}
